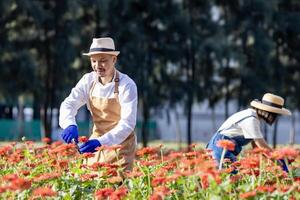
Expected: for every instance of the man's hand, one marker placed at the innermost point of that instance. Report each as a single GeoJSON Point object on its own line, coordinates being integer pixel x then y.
{"type": "Point", "coordinates": [70, 133]}
{"type": "Point", "coordinates": [89, 146]}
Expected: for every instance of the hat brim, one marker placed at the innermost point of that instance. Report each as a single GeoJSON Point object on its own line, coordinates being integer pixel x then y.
{"type": "Point", "coordinates": [261, 106]}
{"type": "Point", "coordinates": [115, 53]}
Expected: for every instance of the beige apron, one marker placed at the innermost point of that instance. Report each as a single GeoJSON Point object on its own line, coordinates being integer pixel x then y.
{"type": "Point", "coordinates": [106, 113]}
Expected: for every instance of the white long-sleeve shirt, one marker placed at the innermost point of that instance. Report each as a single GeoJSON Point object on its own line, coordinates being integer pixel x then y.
{"type": "Point", "coordinates": [79, 96]}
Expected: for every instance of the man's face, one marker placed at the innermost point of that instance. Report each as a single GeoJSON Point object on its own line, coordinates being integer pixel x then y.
{"type": "Point", "coordinates": [103, 64]}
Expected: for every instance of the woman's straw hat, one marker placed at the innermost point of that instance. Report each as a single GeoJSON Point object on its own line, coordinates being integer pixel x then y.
{"type": "Point", "coordinates": [271, 103]}
{"type": "Point", "coordinates": [102, 46]}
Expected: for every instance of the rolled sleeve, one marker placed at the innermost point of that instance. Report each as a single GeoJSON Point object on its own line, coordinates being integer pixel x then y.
{"type": "Point", "coordinates": [128, 102]}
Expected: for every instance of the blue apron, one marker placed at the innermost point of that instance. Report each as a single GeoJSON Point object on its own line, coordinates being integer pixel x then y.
{"type": "Point", "coordinates": [239, 142]}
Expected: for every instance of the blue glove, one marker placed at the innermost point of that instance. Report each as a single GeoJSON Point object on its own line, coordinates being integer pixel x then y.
{"type": "Point", "coordinates": [283, 165]}
{"type": "Point", "coordinates": [89, 146]}
{"type": "Point", "coordinates": [69, 133]}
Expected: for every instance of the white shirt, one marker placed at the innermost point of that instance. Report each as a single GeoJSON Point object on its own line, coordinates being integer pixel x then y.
{"type": "Point", "coordinates": [79, 96]}
{"type": "Point", "coordinates": [245, 123]}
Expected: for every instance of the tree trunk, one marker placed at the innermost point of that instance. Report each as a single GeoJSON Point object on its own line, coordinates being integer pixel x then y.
{"type": "Point", "coordinates": [191, 67]}
{"type": "Point", "coordinates": [213, 119]}
{"type": "Point", "coordinates": [36, 107]}
{"type": "Point", "coordinates": [178, 129]}
{"type": "Point", "coordinates": [227, 81]}
{"type": "Point", "coordinates": [46, 120]}
{"type": "Point", "coordinates": [145, 122]}
{"type": "Point", "coordinates": [189, 120]}
{"type": "Point", "coordinates": [292, 130]}
{"type": "Point", "coordinates": [21, 131]}
{"type": "Point", "coordinates": [97, 14]}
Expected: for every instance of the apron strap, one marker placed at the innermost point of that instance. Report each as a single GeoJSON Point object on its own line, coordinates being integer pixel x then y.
{"type": "Point", "coordinates": [219, 131]}
{"type": "Point", "coordinates": [91, 89]}
{"type": "Point", "coordinates": [117, 81]}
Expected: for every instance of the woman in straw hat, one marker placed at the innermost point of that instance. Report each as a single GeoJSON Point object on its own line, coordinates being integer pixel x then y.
{"type": "Point", "coordinates": [111, 98]}
{"type": "Point", "coordinates": [244, 127]}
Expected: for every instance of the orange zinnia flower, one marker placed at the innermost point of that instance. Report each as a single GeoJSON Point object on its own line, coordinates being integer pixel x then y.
{"type": "Point", "coordinates": [266, 188]}
{"type": "Point", "coordinates": [249, 163]}
{"type": "Point", "coordinates": [47, 176]}
{"type": "Point", "coordinates": [115, 179]}
{"type": "Point", "coordinates": [86, 177]}
{"type": "Point", "coordinates": [276, 155]}
{"type": "Point", "coordinates": [5, 150]}
{"type": "Point", "coordinates": [44, 192]}
{"type": "Point", "coordinates": [10, 177]}
{"type": "Point", "coordinates": [289, 153]}
{"type": "Point", "coordinates": [226, 144]}
{"type": "Point", "coordinates": [146, 151]}
{"type": "Point", "coordinates": [20, 184]}
{"type": "Point", "coordinates": [247, 195]}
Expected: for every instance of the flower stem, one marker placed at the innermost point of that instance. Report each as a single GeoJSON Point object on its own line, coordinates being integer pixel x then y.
{"type": "Point", "coordinates": [222, 158]}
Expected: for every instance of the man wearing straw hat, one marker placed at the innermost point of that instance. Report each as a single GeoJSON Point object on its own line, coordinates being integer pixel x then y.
{"type": "Point", "coordinates": [111, 98]}
{"type": "Point", "coordinates": [244, 127]}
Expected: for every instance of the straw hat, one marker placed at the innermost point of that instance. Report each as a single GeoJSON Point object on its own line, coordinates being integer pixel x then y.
{"type": "Point", "coordinates": [271, 103]}
{"type": "Point", "coordinates": [102, 46]}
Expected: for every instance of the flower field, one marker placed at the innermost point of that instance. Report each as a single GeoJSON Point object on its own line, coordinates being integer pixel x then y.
{"type": "Point", "coordinates": [57, 171]}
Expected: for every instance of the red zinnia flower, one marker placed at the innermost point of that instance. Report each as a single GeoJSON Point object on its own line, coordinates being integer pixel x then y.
{"type": "Point", "coordinates": [103, 193]}
{"type": "Point", "coordinates": [235, 178]}
{"type": "Point", "coordinates": [158, 181]}
{"type": "Point", "coordinates": [88, 155]}
{"type": "Point", "coordinates": [204, 181]}
{"type": "Point", "coordinates": [46, 140]}
{"type": "Point", "coordinates": [226, 144]}
{"type": "Point", "coordinates": [25, 172]}
{"type": "Point", "coordinates": [118, 194]}
{"type": "Point", "coordinates": [155, 197]}
{"type": "Point", "coordinates": [83, 139]}
{"type": "Point", "coordinates": [2, 190]}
